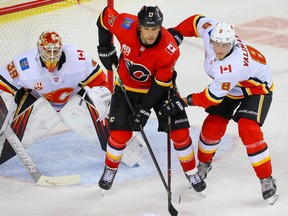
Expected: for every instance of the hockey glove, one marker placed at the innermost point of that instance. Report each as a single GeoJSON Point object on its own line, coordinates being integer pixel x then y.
{"type": "Point", "coordinates": [108, 56]}
{"type": "Point", "coordinates": [140, 118]}
{"type": "Point", "coordinates": [101, 98]}
{"type": "Point", "coordinates": [172, 106]}
{"type": "Point", "coordinates": [189, 100]}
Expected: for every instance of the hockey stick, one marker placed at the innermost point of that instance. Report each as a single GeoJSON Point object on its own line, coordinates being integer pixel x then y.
{"type": "Point", "coordinates": [171, 209]}
{"type": "Point", "coordinates": [169, 159]}
{"type": "Point", "coordinates": [31, 167]}
{"type": "Point", "coordinates": [169, 163]}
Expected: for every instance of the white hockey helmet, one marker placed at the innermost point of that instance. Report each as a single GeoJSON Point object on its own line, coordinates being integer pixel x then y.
{"type": "Point", "coordinates": [50, 49]}
{"type": "Point", "coordinates": [223, 33]}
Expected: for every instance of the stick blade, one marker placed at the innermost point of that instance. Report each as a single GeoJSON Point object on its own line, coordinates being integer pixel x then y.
{"type": "Point", "coordinates": [49, 181]}
{"type": "Point", "coordinates": [171, 209]}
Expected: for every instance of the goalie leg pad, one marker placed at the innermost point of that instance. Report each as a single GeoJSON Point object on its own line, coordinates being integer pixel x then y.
{"type": "Point", "coordinates": [134, 152]}
{"type": "Point", "coordinates": [7, 110]}
{"type": "Point", "coordinates": [32, 124]}
{"type": "Point", "coordinates": [81, 117]}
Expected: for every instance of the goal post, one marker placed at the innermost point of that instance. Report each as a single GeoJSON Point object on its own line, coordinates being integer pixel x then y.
{"type": "Point", "coordinates": [22, 22]}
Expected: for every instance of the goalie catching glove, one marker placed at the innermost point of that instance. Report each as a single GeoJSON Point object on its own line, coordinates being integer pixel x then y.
{"type": "Point", "coordinates": [172, 106]}
{"type": "Point", "coordinates": [101, 98]}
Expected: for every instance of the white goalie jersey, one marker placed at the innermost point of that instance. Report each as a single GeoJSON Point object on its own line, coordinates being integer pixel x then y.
{"type": "Point", "coordinates": [27, 70]}
{"type": "Point", "coordinates": [75, 71]}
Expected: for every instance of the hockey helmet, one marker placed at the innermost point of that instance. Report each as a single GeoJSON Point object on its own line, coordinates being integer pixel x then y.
{"type": "Point", "coordinates": [50, 49]}
{"type": "Point", "coordinates": [223, 33]}
{"type": "Point", "coordinates": [150, 16]}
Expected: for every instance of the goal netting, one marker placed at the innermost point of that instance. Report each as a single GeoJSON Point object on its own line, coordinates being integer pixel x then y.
{"type": "Point", "coordinates": [22, 22]}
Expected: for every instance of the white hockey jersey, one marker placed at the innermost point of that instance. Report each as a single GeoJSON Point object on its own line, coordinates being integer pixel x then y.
{"type": "Point", "coordinates": [245, 69]}
{"type": "Point", "coordinates": [26, 70]}
{"type": "Point", "coordinates": [243, 72]}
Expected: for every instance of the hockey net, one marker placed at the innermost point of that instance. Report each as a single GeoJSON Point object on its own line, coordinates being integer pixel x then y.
{"type": "Point", "coordinates": [22, 22]}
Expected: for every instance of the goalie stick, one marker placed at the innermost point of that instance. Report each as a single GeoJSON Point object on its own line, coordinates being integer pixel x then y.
{"type": "Point", "coordinates": [40, 179]}
{"type": "Point", "coordinates": [19, 149]}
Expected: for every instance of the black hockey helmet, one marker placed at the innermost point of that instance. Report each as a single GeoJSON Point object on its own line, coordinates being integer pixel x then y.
{"type": "Point", "coordinates": [150, 16]}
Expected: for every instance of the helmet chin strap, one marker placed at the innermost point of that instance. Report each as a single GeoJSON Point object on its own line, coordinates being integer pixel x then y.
{"type": "Point", "coordinates": [231, 50]}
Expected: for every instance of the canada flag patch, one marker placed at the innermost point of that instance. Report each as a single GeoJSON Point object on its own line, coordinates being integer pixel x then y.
{"type": "Point", "coordinates": [225, 69]}
{"type": "Point", "coordinates": [170, 49]}
{"type": "Point", "coordinates": [81, 55]}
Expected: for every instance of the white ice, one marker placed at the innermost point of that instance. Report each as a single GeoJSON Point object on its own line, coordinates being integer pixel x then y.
{"type": "Point", "coordinates": [233, 188]}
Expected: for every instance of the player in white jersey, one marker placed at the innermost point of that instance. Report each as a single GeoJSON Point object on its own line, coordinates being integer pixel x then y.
{"type": "Point", "coordinates": [241, 90]}
{"type": "Point", "coordinates": [57, 73]}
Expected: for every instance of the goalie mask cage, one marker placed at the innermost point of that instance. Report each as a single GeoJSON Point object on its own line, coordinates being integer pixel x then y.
{"type": "Point", "coordinates": [22, 22]}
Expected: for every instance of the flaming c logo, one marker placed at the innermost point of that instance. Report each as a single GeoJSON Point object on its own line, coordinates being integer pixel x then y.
{"type": "Point", "coordinates": [59, 96]}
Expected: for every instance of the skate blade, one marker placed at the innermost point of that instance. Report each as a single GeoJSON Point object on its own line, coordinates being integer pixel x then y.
{"type": "Point", "coordinates": [271, 200]}
{"type": "Point", "coordinates": [200, 193]}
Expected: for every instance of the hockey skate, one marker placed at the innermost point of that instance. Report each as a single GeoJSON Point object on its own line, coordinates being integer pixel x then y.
{"type": "Point", "coordinates": [196, 182]}
{"type": "Point", "coordinates": [203, 169]}
{"type": "Point", "coordinates": [107, 178]}
{"type": "Point", "coordinates": [269, 189]}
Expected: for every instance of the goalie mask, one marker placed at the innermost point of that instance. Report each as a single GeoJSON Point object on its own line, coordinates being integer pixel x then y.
{"type": "Point", "coordinates": [50, 49]}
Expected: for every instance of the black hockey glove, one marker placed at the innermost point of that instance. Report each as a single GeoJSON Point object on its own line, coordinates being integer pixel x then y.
{"type": "Point", "coordinates": [172, 106]}
{"type": "Point", "coordinates": [108, 56]}
{"type": "Point", "coordinates": [178, 37]}
{"type": "Point", "coordinates": [140, 118]}
{"type": "Point", "coordinates": [189, 100]}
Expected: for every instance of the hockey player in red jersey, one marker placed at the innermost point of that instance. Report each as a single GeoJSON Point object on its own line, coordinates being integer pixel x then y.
{"type": "Point", "coordinates": [53, 74]}
{"type": "Point", "coordinates": [241, 90]}
{"type": "Point", "coordinates": [148, 55]}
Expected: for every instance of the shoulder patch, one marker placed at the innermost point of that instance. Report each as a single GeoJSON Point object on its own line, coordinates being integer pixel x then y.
{"type": "Point", "coordinates": [127, 23]}
{"type": "Point", "coordinates": [206, 25]}
{"type": "Point", "coordinates": [24, 64]}
{"type": "Point", "coordinates": [170, 48]}
{"type": "Point", "coordinates": [81, 55]}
